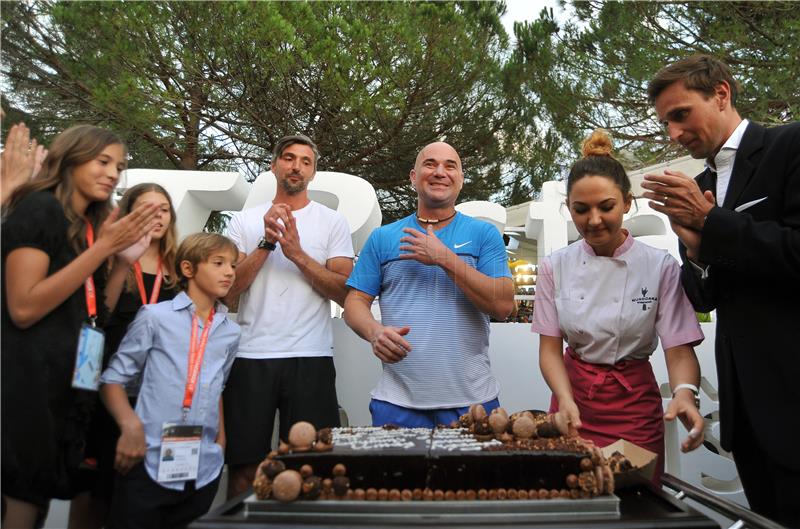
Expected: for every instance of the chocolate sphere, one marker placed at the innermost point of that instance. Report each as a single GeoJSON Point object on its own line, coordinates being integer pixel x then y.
{"type": "Point", "coordinates": [302, 435]}
{"type": "Point", "coordinates": [524, 428]}
{"type": "Point", "coordinates": [498, 422]}
{"type": "Point", "coordinates": [306, 471]}
{"type": "Point", "coordinates": [273, 468]}
{"type": "Point", "coordinates": [477, 411]}
{"type": "Point", "coordinates": [341, 484]}
{"type": "Point", "coordinates": [286, 485]}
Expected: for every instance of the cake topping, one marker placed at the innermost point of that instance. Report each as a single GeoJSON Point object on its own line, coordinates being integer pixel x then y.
{"type": "Point", "coordinates": [286, 485]}
{"type": "Point", "coordinates": [301, 436]}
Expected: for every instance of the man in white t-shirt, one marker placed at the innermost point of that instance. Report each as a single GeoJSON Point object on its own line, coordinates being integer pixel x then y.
{"type": "Point", "coordinates": [295, 256]}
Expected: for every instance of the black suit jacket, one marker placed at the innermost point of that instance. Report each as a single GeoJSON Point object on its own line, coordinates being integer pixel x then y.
{"type": "Point", "coordinates": [754, 284]}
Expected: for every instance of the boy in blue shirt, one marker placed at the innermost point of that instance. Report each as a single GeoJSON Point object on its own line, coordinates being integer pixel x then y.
{"type": "Point", "coordinates": [170, 451]}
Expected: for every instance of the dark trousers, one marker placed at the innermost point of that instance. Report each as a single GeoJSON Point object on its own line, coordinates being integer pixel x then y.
{"type": "Point", "coordinates": [772, 489]}
{"type": "Point", "coordinates": [303, 389]}
{"type": "Point", "coordinates": [141, 503]}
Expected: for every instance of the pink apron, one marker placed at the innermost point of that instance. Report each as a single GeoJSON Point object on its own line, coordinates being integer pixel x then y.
{"type": "Point", "coordinates": [619, 401]}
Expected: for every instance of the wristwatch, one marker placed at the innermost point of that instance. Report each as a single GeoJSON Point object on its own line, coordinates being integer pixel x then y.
{"type": "Point", "coordinates": [264, 244]}
{"type": "Point", "coordinates": [693, 389]}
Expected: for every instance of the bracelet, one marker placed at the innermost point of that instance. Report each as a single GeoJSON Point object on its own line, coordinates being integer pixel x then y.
{"type": "Point", "coordinates": [690, 387]}
{"type": "Point", "coordinates": [693, 389]}
{"type": "Point", "coordinates": [264, 244]}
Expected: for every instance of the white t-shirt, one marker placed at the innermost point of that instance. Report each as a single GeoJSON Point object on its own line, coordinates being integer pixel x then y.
{"type": "Point", "coordinates": [280, 314]}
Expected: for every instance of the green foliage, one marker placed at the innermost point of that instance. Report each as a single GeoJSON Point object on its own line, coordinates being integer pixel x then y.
{"type": "Point", "coordinates": [593, 70]}
{"type": "Point", "coordinates": [213, 85]}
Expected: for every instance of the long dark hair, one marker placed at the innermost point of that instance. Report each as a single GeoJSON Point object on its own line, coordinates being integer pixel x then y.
{"type": "Point", "coordinates": [73, 147]}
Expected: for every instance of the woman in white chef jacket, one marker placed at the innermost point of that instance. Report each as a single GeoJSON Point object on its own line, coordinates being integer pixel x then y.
{"type": "Point", "coordinates": [611, 298]}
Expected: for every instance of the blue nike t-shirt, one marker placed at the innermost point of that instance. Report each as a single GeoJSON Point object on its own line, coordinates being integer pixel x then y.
{"type": "Point", "coordinates": [448, 365]}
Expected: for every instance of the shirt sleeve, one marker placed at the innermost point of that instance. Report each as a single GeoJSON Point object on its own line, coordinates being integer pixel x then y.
{"type": "Point", "coordinates": [676, 321]}
{"type": "Point", "coordinates": [545, 315]}
{"type": "Point", "coordinates": [493, 260]}
{"type": "Point", "coordinates": [366, 275]}
{"type": "Point", "coordinates": [235, 231]}
{"type": "Point", "coordinates": [233, 348]}
{"type": "Point", "coordinates": [129, 360]}
{"type": "Point", "coordinates": [37, 222]}
{"type": "Point", "coordinates": [340, 243]}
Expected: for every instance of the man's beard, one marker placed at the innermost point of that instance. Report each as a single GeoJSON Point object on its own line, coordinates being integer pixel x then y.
{"type": "Point", "coordinates": [293, 189]}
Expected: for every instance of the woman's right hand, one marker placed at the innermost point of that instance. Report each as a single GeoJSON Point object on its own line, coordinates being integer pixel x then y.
{"type": "Point", "coordinates": [117, 234]}
{"type": "Point", "coordinates": [131, 446]}
{"type": "Point", "coordinates": [567, 419]}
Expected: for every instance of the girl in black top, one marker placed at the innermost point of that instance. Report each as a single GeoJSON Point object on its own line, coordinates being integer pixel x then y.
{"type": "Point", "coordinates": [59, 233]}
{"type": "Point", "coordinates": [149, 278]}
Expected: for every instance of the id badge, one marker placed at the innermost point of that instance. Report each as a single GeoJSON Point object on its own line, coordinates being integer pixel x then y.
{"type": "Point", "coordinates": [180, 452]}
{"type": "Point", "coordinates": [89, 358]}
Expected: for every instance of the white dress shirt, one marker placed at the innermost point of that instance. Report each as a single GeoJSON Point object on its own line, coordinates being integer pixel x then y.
{"type": "Point", "coordinates": [722, 164]}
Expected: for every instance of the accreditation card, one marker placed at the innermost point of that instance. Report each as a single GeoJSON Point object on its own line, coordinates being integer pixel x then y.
{"type": "Point", "coordinates": [88, 358]}
{"type": "Point", "coordinates": [180, 452]}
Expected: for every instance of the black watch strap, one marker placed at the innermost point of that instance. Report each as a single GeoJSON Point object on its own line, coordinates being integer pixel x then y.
{"type": "Point", "coordinates": [264, 244]}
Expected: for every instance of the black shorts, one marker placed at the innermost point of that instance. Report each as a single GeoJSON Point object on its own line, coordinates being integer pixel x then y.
{"type": "Point", "coordinates": [302, 389]}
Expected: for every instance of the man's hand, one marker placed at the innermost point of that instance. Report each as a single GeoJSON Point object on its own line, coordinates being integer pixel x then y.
{"type": "Point", "coordinates": [276, 212]}
{"type": "Point", "coordinates": [285, 227]}
{"type": "Point", "coordinates": [679, 197]}
{"type": "Point", "coordinates": [131, 446]}
{"type": "Point", "coordinates": [682, 406]}
{"type": "Point", "coordinates": [423, 247]}
{"type": "Point", "coordinates": [690, 238]}
{"type": "Point", "coordinates": [389, 345]}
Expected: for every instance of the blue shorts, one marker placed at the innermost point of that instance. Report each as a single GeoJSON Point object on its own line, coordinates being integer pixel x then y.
{"type": "Point", "coordinates": [387, 413]}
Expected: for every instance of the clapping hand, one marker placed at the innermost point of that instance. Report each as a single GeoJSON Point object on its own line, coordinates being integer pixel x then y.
{"type": "Point", "coordinates": [21, 160]}
{"type": "Point", "coordinates": [283, 227]}
{"type": "Point", "coordinates": [132, 253]}
{"type": "Point", "coordinates": [116, 234]}
{"type": "Point", "coordinates": [679, 197]}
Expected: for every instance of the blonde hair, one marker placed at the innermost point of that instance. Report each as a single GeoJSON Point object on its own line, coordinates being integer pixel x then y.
{"type": "Point", "coordinates": [197, 248]}
{"type": "Point", "coordinates": [597, 144]}
{"type": "Point", "coordinates": [168, 245]}
{"type": "Point", "coordinates": [73, 147]}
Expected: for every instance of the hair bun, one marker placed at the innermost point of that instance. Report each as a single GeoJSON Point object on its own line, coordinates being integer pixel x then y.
{"type": "Point", "coordinates": [597, 144]}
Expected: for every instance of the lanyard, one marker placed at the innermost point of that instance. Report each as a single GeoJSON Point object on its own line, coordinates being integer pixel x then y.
{"type": "Point", "coordinates": [88, 285]}
{"type": "Point", "coordinates": [196, 351]}
{"type": "Point", "coordinates": [137, 270]}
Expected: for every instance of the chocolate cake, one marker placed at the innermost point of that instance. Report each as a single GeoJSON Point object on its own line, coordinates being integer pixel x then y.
{"type": "Point", "coordinates": [480, 457]}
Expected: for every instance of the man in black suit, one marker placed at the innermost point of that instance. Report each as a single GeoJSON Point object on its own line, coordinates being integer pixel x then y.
{"type": "Point", "coordinates": [739, 227]}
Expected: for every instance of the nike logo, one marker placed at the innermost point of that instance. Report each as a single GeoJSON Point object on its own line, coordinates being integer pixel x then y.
{"type": "Point", "coordinates": [457, 246]}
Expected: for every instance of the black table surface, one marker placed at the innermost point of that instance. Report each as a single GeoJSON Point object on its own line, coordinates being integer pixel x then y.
{"type": "Point", "coordinates": [641, 506]}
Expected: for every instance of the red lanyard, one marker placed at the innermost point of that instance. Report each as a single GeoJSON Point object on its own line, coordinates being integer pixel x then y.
{"type": "Point", "coordinates": [137, 270]}
{"type": "Point", "coordinates": [196, 352]}
{"type": "Point", "coordinates": [88, 285]}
